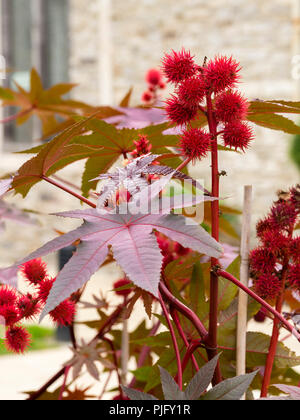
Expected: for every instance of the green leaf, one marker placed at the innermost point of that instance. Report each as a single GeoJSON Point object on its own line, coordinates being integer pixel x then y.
{"type": "Point", "coordinates": [50, 159]}
{"type": "Point", "coordinates": [228, 290]}
{"type": "Point", "coordinates": [275, 122]}
{"type": "Point", "coordinates": [271, 107]}
{"type": "Point", "coordinates": [230, 389]}
{"type": "Point", "coordinates": [258, 348]}
{"type": "Point", "coordinates": [197, 299]}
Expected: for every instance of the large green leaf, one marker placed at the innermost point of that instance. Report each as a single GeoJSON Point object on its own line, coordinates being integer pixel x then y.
{"type": "Point", "coordinates": [275, 122]}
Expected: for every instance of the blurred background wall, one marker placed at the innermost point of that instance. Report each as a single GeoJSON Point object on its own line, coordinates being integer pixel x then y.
{"type": "Point", "coordinates": [106, 46]}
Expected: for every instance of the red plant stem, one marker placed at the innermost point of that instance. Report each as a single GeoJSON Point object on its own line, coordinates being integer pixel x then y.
{"type": "Point", "coordinates": [70, 184]}
{"type": "Point", "coordinates": [182, 335]}
{"type": "Point", "coordinates": [173, 336]}
{"type": "Point", "coordinates": [184, 310]}
{"type": "Point", "coordinates": [16, 116]}
{"type": "Point", "coordinates": [105, 385]}
{"type": "Point", "coordinates": [194, 345]}
{"type": "Point", "coordinates": [275, 332]}
{"type": "Point", "coordinates": [214, 282]}
{"type": "Point", "coordinates": [183, 164]}
{"type": "Point", "coordinates": [63, 387]}
{"type": "Point", "coordinates": [66, 189]}
{"type": "Point", "coordinates": [44, 388]}
{"type": "Point", "coordinates": [272, 350]}
{"type": "Point", "coordinates": [250, 292]}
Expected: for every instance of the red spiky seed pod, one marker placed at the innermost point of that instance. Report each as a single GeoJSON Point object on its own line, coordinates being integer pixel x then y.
{"type": "Point", "coordinates": [44, 289]}
{"type": "Point", "coordinates": [64, 313]}
{"type": "Point", "coordinates": [180, 250]}
{"type": "Point", "coordinates": [178, 66]}
{"type": "Point", "coordinates": [283, 215]}
{"type": "Point", "coordinates": [147, 96]}
{"type": "Point", "coordinates": [293, 276]}
{"type": "Point", "coordinates": [262, 260]}
{"type": "Point", "coordinates": [268, 286]}
{"type": "Point", "coordinates": [275, 241]}
{"type": "Point", "coordinates": [260, 316]}
{"type": "Point", "coordinates": [221, 73]}
{"type": "Point", "coordinates": [295, 249]}
{"type": "Point", "coordinates": [177, 112]}
{"type": "Point", "coordinates": [153, 77]}
{"type": "Point", "coordinates": [10, 313]}
{"type": "Point", "coordinates": [29, 306]}
{"type": "Point", "coordinates": [122, 283]}
{"type": "Point", "coordinates": [34, 271]}
{"type": "Point", "coordinates": [143, 146]}
{"type": "Point", "coordinates": [8, 296]}
{"type": "Point", "coordinates": [230, 106]}
{"type": "Point", "coordinates": [191, 91]}
{"type": "Point", "coordinates": [237, 135]}
{"type": "Point", "coordinates": [295, 197]}
{"type": "Point", "coordinates": [194, 143]}
{"type": "Point", "coordinates": [17, 339]}
{"type": "Point", "coordinates": [263, 226]}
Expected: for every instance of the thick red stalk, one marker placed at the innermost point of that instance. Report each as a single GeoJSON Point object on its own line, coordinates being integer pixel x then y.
{"type": "Point", "coordinates": [182, 335]}
{"type": "Point", "coordinates": [250, 292]}
{"type": "Point", "coordinates": [213, 300]}
{"type": "Point", "coordinates": [63, 387]}
{"type": "Point", "coordinates": [66, 189]}
{"type": "Point", "coordinates": [16, 116]}
{"type": "Point", "coordinates": [275, 332]}
{"type": "Point", "coordinates": [272, 350]}
{"type": "Point", "coordinates": [184, 310]}
{"type": "Point", "coordinates": [175, 344]}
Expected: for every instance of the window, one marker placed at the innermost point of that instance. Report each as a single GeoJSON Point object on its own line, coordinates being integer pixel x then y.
{"type": "Point", "coordinates": [35, 34]}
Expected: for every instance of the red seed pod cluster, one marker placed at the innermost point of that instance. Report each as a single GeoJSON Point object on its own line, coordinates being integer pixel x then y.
{"type": "Point", "coordinates": [16, 307]}
{"type": "Point", "coordinates": [275, 264]}
{"type": "Point", "coordinates": [154, 79]}
{"type": "Point", "coordinates": [120, 284]}
{"type": "Point", "coordinates": [211, 89]}
{"type": "Point", "coordinates": [171, 250]}
{"type": "Point", "coordinates": [142, 146]}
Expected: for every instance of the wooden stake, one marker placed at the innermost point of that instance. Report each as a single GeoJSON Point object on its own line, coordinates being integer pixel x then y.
{"type": "Point", "coordinates": [244, 277]}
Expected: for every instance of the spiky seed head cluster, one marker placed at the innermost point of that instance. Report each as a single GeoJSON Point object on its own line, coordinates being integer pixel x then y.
{"type": "Point", "coordinates": [278, 246]}
{"type": "Point", "coordinates": [193, 84]}
{"type": "Point", "coordinates": [16, 307]}
{"type": "Point", "coordinates": [155, 82]}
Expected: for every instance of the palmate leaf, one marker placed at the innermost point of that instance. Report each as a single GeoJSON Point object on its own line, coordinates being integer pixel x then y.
{"type": "Point", "coordinates": [133, 244]}
{"type": "Point", "coordinates": [54, 156]}
{"type": "Point", "coordinates": [132, 177]}
{"type": "Point", "coordinates": [44, 103]}
{"type": "Point", "coordinates": [116, 142]}
{"type": "Point", "coordinates": [230, 389]}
